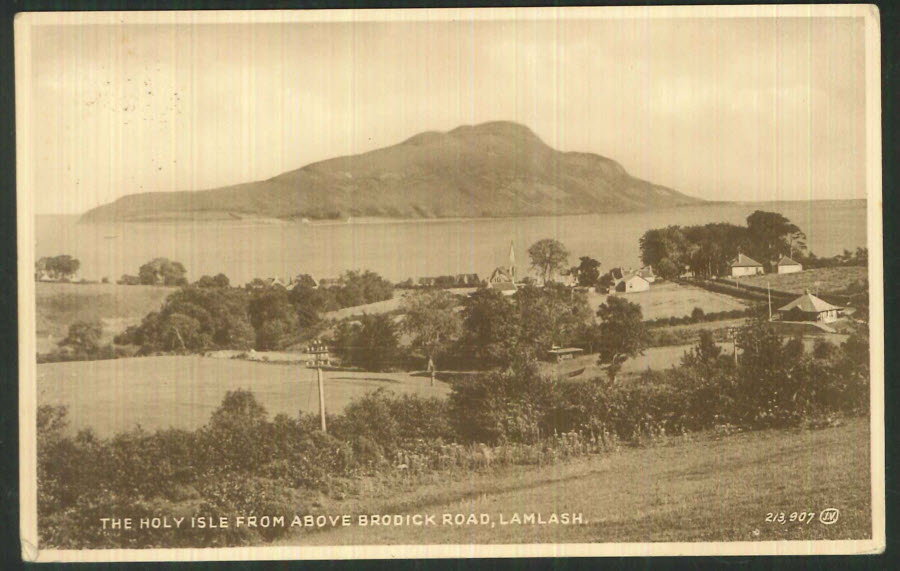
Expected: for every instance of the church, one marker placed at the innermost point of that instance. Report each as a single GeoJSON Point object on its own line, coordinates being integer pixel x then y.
{"type": "Point", "coordinates": [503, 279]}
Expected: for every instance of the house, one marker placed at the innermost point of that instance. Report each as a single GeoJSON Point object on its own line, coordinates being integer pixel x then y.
{"type": "Point", "coordinates": [632, 284]}
{"type": "Point", "coordinates": [746, 266]}
{"type": "Point", "coordinates": [275, 282]}
{"type": "Point", "coordinates": [502, 280]}
{"type": "Point", "coordinates": [647, 274]}
{"type": "Point", "coordinates": [788, 266]}
{"type": "Point", "coordinates": [560, 354]}
{"type": "Point", "coordinates": [326, 283]}
{"type": "Point", "coordinates": [427, 282]}
{"type": "Point", "coordinates": [808, 307]}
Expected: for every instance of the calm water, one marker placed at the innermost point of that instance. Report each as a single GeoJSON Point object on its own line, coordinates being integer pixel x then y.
{"type": "Point", "coordinates": [398, 250]}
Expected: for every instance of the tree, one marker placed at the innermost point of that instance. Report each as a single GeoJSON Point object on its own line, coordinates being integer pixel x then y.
{"type": "Point", "coordinates": [84, 337]}
{"type": "Point", "coordinates": [432, 320]}
{"type": "Point", "coordinates": [218, 314]}
{"type": "Point", "coordinates": [162, 271]}
{"type": "Point", "coordinates": [371, 342]}
{"type": "Point", "coordinates": [304, 280]}
{"type": "Point", "coordinates": [622, 333]}
{"type": "Point", "coordinates": [548, 257]}
{"type": "Point", "coordinates": [666, 249]}
{"type": "Point", "coordinates": [772, 235]}
{"type": "Point", "coordinates": [219, 280]}
{"type": "Point", "coordinates": [552, 315]}
{"type": "Point", "coordinates": [490, 327]}
{"type": "Point", "coordinates": [62, 267]}
{"type": "Point", "coordinates": [588, 271]}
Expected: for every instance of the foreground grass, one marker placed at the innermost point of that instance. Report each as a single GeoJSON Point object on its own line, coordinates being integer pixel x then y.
{"type": "Point", "coordinates": [701, 488]}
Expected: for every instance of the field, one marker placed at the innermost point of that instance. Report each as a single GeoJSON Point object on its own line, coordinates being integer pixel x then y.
{"type": "Point", "coordinates": [58, 305]}
{"type": "Point", "coordinates": [823, 280]}
{"type": "Point", "coordinates": [697, 488]}
{"type": "Point", "coordinates": [668, 299]}
{"type": "Point", "coordinates": [182, 392]}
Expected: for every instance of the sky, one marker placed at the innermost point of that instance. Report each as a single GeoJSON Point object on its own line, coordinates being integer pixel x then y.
{"type": "Point", "coordinates": [750, 109]}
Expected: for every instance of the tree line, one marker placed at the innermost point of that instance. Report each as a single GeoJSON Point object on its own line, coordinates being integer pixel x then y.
{"type": "Point", "coordinates": [707, 250]}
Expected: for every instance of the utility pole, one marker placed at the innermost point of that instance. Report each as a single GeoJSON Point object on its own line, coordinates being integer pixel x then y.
{"type": "Point", "coordinates": [769, 294]}
{"type": "Point", "coordinates": [319, 351]}
{"type": "Point", "coordinates": [733, 331]}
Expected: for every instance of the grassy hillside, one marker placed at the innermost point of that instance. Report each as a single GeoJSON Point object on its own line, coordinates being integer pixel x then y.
{"type": "Point", "coordinates": [487, 170]}
{"type": "Point", "coordinates": [58, 305]}
{"type": "Point", "coordinates": [825, 280]}
{"type": "Point", "coordinates": [701, 488]}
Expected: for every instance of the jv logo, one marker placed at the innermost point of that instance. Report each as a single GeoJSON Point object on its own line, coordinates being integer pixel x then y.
{"type": "Point", "coordinates": [829, 516]}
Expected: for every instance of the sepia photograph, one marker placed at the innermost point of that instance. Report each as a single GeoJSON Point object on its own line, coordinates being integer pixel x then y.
{"type": "Point", "coordinates": [455, 283]}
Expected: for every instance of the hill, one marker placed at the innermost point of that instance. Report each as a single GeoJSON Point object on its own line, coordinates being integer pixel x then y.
{"type": "Point", "coordinates": [489, 170]}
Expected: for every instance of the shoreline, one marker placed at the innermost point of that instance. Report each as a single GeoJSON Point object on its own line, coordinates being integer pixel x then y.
{"type": "Point", "coordinates": [251, 220]}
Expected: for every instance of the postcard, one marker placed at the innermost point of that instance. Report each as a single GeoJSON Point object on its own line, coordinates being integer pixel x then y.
{"type": "Point", "coordinates": [450, 283]}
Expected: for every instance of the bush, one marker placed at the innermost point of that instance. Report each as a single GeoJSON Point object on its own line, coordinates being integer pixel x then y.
{"type": "Point", "coordinates": [514, 405]}
{"type": "Point", "coordinates": [390, 421]}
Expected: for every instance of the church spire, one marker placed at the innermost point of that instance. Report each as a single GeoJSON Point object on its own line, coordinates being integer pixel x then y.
{"type": "Point", "coordinates": [512, 260]}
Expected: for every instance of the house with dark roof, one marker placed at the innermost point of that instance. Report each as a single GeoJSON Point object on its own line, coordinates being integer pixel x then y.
{"type": "Point", "coordinates": [788, 266]}
{"type": "Point", "coordinates": [744, 265]}
{"type": "Point", "coordinates": [808, 307]}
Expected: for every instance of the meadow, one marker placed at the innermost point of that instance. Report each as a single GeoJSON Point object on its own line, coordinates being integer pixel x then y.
{"type": "Point", "coordinates": [181, 391]}
{"type": "Point", "coordinates": [700, 487]}
{"type": "Point", "coordinates": [667, 299]}
{"type": "Point", "coordinates": [58, 305]}
{"type": "Point", "coordinates": [823, 280]}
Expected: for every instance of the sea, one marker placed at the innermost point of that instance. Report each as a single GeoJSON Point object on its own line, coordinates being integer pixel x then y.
{"type": "Point", "coordinates": [401, 249]}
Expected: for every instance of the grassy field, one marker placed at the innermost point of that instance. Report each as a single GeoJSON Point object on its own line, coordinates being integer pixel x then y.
{"type": "Point", "coordinates": [668, 299]}
{"type": "Point", "coordinates": [182, 392]}
{"type": "Point", "coordinates": [58, 305]}
{"type": "Point", "coordinates": [823, 280]}
{"type": "Point", "coordinates": [699, 488]}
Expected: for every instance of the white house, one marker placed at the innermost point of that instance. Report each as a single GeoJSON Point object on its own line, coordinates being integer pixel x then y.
{"type": "Point", "coordinates": [788, 266]}
{"type": "Point", "coordinates": [632, 284]}
{"type": "Point", "coordinates": [746, 266]}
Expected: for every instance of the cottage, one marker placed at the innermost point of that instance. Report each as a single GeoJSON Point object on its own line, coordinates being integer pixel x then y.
{"type": "Point", "coordinates": [632, 284]}
{"type": "Point", "coordinates": [808, 307]}
{"type": "Point", "coordinates": [746, 266]}
{"type": "Point", "coordinates": [788, 266]}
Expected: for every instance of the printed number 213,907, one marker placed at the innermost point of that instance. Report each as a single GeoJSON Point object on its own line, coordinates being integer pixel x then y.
{"type": "Point", "coordinates": [793, 517]}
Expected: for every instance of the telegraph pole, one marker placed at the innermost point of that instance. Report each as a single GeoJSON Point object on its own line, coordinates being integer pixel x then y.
{"type": "Point", "coordinates": [319, 352]}
{"type": "Point", "coordinates": [769, 294]}
{"type": "Point", "coordinates": [733, 331]}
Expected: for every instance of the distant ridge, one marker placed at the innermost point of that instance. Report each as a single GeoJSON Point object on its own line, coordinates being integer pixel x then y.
{"type": "Point", "coordinates": [489, 170]}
